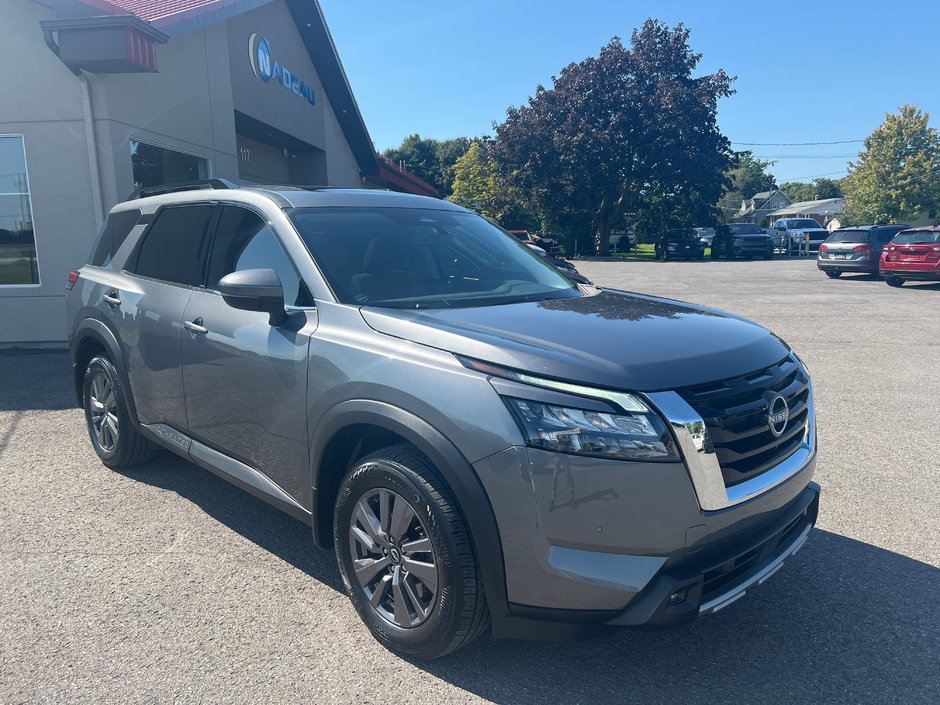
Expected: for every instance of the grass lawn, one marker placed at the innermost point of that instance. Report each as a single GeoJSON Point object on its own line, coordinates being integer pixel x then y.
{"type": "Point", "coordinates": [644, 252]}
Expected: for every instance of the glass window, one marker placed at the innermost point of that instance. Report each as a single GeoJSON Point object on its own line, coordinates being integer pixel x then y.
{"type": "Point", "coordinates": [424, 258]}
{"type": "Point", "coordinates": [155, 166]}
{"type": "Point", "coordinates": [115, 231]}
{"type": "Point", "coordinates": [18, 263]}
{"type": "Point", "coordinates": [244, 241]}
{"type": "Point", "coordinates": [174, 248]}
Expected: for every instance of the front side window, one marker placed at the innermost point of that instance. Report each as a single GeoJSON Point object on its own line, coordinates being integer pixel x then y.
{"type": "Point", "coordinates": [244, 241]}
{"type": "Point", "coordinates": [424, 258]}
{"type": "Point", "coordinates": [18, 261]}
{"type": "Point", "coordinates": [155, 166]}
{"type": "Point", "coordinates": [174, 248]}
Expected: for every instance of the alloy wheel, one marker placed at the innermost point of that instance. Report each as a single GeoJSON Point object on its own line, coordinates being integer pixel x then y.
{"type": "Point", "coordinates": [393, 558]}
{"type": "Point", "coordinates": [103, 408]}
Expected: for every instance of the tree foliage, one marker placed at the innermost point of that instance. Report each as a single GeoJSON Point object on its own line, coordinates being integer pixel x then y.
{"type": "Point", "coordinates": [808, 190]}
{"type": "Point", "coordinates": [897, 176]}
{"type": "Point", "coordinates": [628, 133]}
{"type": "Point", "coordinates": [747, 176]}
{"type": "Point", "coordinates": [429, 159]}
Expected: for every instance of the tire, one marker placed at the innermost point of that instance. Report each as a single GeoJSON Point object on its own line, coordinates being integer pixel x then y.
{"type": "Point", "coordinates": [893, 281]}
{"type": "Point", "coordinates": [701, 256]}
{"type": "Point", "coordinates": [731, 255]}
{"type": "Point", "coordinates": [429, 619]}
{"type": "Point", "coordinates": [714, 253]}
{"type": "Point", "coordinates": [833, 273]}
{"type": "Point", "coordinates": [113, 434]}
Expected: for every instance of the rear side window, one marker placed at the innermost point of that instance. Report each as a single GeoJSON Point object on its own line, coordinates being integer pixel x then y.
{"type": "Point", "coordinates": [244, 241]}
{"type": "Point", "coordinates": [115, 231]}
{"type": "Point", "coordinates": [174, 248]}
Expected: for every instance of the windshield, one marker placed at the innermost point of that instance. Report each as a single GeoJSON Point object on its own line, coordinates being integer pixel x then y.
{"type": "Point", "coordinates": [423, 258]}
{"type": "Point", "coordinates": [917, 237]}
{"type": "Point", "coordinates": [681, 234]}
{"type": "Point", "coordinates": [849, 236]}
{"type": "Point", "coordinates": [745, 229]}
{"type": "Point", "coordinates": [804, 223]}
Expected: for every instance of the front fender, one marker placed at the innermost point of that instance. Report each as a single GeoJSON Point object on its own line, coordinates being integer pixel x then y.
{"type": "Point", "coordinates": [454, 470]}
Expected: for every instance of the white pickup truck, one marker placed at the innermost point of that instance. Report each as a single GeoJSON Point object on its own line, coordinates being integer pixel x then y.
{"type": "Point", "coordinates": [791, 234]}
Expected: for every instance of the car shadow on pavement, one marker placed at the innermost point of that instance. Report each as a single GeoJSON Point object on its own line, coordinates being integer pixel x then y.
{"type": "Point", "coordinates": [843, 622]}
{"type": "Point", "coordinates": [269, 528]}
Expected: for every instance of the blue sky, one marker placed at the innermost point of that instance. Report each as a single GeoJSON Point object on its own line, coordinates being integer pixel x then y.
{"type": "Point", "coordinates": [807, 71]}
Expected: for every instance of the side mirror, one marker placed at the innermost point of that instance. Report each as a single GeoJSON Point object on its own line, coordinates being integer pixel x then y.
{"type": "Point", "coordinates": [255, 290]}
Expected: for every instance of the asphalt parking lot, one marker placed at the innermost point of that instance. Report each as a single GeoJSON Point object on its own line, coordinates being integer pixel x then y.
{"type": "Point", "coordinates": [166, 584]}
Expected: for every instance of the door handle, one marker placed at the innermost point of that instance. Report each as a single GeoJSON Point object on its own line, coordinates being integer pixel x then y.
{"type": "Point", "coordinates": [196, 326]}
{"type": "Point", "coordinates": [111, 298]}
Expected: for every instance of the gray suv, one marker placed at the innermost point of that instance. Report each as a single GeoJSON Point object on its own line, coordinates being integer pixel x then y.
{"type": "Point", "coordinates": [479, 439]}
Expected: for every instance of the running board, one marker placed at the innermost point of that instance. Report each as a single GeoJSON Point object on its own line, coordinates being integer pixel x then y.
{"type": "Point", "coordinates": [229, 469]}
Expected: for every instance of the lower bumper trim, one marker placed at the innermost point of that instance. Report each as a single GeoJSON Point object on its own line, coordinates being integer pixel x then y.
{"type": "Point", "coordinates": [759, 578]}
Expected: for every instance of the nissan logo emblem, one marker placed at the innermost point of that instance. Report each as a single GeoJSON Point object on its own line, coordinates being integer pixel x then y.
{"type": "Point", "coordinates": [778, 413]}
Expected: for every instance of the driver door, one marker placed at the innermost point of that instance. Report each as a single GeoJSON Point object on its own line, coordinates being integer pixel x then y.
{"type": "Point", "coordinates": [245, 381]}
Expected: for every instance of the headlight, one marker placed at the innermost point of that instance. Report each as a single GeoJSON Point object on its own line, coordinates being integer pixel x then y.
{"type": "Point", "coordinates": [639, 435]}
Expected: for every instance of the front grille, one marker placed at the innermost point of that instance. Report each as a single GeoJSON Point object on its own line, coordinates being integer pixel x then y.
{"type": "Point", "coordinates": [735, 414]}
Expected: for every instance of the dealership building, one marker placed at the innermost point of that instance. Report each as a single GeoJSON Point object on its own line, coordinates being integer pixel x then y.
{"type": "Point", "coordinates": [101, 97]}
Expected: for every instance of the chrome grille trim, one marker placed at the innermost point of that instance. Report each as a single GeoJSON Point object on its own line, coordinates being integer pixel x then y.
{"type": "Point", "coordinates": [701, 459]}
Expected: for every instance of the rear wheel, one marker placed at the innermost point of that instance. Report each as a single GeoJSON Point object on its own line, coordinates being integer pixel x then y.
{"type": "Point", "coordinates": [893, 281]}
{"type": "Point", "coordinates": [406, 557]}
{"type": "Point", "coordinates": [714, 254]}
{"type": "Point", "coordinates": [833, 273]}
{"type": "Point", "coordinates": [115, 438]}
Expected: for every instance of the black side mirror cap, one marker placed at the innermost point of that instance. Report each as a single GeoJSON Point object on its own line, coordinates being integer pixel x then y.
{"type": "Point", "coordinates": [255, 290]}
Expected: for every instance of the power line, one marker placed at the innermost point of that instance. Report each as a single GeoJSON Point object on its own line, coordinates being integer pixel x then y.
{"type": "Point", "coordinates": [793, 144]}
{"type": "Point", "coordinates": [804, 156]}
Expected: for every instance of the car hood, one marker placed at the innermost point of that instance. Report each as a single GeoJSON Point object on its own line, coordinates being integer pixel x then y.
{"type": "Point", "coordinates": [608, 339]}
{"type": "Point", "coordinates": [753, 236]}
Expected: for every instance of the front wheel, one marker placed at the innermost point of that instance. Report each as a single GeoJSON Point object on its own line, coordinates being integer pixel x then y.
{"type": "Point", "coordinates": [833, 274]}
{"type": "Point", "coordinates": [406, 556]}
{"type": "Point", "coordinates": [893, 281]}
{"type": "Point", "coordinates": [714, 253]}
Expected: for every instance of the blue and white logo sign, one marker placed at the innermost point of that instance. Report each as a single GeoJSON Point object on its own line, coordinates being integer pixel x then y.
{"type": "Point", "coordinates": [266, 67]}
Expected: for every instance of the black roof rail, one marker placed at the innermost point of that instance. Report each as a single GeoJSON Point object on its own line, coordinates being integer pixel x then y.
{"type": "Point", "coordinates": [181, 186]}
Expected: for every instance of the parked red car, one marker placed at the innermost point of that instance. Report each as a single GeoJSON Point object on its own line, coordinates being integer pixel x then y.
{"type": "Point", "coordinates": [912, 255]}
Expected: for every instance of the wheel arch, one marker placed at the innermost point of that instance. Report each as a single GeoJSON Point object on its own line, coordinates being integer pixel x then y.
{"type": "Point", "coordinates": [331, 454]}
{"type": "Point", "coordinates": [92, 337]}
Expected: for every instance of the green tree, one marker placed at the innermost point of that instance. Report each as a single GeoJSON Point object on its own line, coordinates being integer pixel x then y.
{"type": "Point", "coordinates": [807, 191]}
{"type": "Point", "coordinates": [628, 131]}
{"type": "Point", "coordinates": [429, 159]}
{"type": "Point", "coordinates": [746, 177]}
{"type": "Point", "coordinates": [897, 176]}
{"type": "Point", "coordinates": [475, 180]}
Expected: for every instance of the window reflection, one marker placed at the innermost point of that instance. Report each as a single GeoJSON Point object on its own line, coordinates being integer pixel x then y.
{"type": "Point", "coordinates": [18, 263]}
{"type": "Point", "coordinates": [155, 166]}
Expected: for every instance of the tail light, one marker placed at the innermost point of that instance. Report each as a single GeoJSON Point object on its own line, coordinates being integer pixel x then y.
{"type": "Point", "coordinates": [72, 278]}
{"type": "Point", "coordinates": [824, 248]}
{"type": "Point", "coordinates": [862, 248]}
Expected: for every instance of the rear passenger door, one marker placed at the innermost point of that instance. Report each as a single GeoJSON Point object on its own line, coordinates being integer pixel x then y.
{"type": "Point", "coordinates": [245, 380]}
{"type": "Point", "coordinates": [145, 308]}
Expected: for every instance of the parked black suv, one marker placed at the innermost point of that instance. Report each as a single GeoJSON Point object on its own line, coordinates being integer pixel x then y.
{"type": "Point", "coordinates": [856, 249]}
{"type": "Point", "coordinates": [741, 240]}
{"type": "Point", "coordinates": [679, 243]}
{"type": "Point", "coordinates": [476, 437]}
